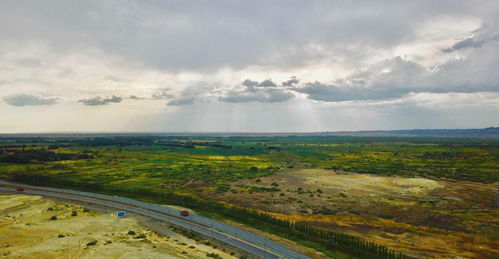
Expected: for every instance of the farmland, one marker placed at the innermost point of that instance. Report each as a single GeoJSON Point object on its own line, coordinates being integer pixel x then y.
{"type": "Point", "coordinates": [404, 193]}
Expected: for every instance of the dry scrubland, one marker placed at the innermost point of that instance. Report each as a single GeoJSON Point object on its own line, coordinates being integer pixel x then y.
{"type": "Point", "coordinates": [27, 231]}
{"type": "Point", "coordinates": [423, 217]}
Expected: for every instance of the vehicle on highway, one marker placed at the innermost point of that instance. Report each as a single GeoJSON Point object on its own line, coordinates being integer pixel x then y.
{"type": "Point", "coordinates": [20, 189]}
{"type": "Point", "coordinates": [184, 213]}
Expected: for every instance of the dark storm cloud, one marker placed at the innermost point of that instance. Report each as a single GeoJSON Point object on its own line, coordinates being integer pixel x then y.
{"type": "Point", "coordinates": [481, 37]}
{"type": "Point", "coordinates": [265, 91]}
{"type": "Point", "coordinates": [267, 83]}
{"type": "Point", "coordinates": [249, 83]}
{"type": "Point", "coordinates": [334, 93]}
{"type": "Point", "coordinates": [182, 101]}
{"type": "Point", "coordinates": [291, 82]}
{"type": "Point", "coordinates": [29, 99]}
{"type": "Point", "coordinates": [264, 83]}
{"type": "Point", "coordinates": [269, 93]}
{"type": "Point", "coordinates": [96, 101]}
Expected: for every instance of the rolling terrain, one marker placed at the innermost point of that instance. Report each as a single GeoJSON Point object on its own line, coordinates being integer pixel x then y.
{"type": "Point", "coordinates": [369, 196]}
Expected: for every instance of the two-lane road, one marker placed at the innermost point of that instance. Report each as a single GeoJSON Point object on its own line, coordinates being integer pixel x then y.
{"type": "Point", "coordinates": [250, 242]}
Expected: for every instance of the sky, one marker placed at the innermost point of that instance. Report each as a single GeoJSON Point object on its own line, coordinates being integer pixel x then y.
{"type": "Point", "coordinates": [247, 66]}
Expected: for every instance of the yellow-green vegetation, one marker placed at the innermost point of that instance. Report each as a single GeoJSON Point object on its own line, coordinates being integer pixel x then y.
{"type": "Point", "coordinates": [422, 217]}
{"type": "Point", "coordinates": [441, 184]}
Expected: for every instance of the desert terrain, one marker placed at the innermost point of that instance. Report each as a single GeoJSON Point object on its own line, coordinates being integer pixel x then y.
{"type": "Point", "coordinates": [36, 227]}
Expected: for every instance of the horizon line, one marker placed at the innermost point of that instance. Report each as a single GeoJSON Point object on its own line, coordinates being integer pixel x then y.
{"type": "Point", "coordinates": [236, 132]}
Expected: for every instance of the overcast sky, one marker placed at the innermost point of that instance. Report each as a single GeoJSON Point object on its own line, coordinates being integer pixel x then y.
{"type": "Point", "coordinates": [252, 66]}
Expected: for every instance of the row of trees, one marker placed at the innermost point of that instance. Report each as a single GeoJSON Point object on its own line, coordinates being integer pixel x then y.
{"type": "Point", "coordinates": [37, 156]}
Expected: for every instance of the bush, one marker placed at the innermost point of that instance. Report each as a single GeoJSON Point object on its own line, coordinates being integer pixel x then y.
{"type": "Point", "coordinates": [140, 236]}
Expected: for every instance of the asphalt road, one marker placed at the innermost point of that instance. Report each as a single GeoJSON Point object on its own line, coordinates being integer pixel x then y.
{"type": "Point", "coordinates": [250, 242]}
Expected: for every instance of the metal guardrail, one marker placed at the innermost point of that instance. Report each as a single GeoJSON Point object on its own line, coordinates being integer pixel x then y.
{"type": "Point", "coordinates": [229, 234]}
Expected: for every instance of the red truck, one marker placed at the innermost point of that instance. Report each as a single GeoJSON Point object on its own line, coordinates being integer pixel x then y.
{"type": "Point", "coordinates": [184, 213]}
{"type": "Point", "coordinates": [20, 189]}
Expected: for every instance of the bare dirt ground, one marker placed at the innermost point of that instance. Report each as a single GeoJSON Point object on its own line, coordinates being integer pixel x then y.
{"type": "Point", "coordinates": [36, 227]}
{"type": "Point", "coordinates": [423, 217]}
{"type": "Point", "coordinates": [303, 191]}
{"type": "Point", "coordinates": [362, 184]}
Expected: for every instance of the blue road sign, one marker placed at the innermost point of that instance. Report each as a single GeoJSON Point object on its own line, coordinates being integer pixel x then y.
{"type": "Point", "coordinates": [121, 214]}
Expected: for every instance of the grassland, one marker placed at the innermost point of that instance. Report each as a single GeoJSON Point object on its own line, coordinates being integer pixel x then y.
{"type": "Point", "coordinates": [399, 192]}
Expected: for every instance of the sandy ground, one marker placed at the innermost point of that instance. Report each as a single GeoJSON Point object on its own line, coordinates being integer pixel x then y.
{"type": "Point", "coordinates": [303, 190]}
{"type": "Point", "coordinates": [27, 231]}
{"type": "Point", "coordinates": [365, 183]}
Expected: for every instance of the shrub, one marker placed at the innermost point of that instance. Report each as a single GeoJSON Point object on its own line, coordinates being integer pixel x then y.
{"type": "Point", "coordinates": [140, 236]}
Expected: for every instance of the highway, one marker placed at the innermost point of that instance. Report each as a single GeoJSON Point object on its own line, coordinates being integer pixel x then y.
{"type": "Point", "coordinates": [250, 242]}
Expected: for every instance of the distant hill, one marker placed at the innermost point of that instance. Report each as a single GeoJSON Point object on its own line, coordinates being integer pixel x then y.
{"type": "Point", "coordinates": [491, 132]}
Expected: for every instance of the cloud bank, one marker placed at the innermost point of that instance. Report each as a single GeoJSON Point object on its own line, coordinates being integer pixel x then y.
{"type": "Point", "coordinates": [324, 62]}
{"type": "Point", "coordinates": [96, 101]}
{"type": "Point", "coordinates": [29, 99]}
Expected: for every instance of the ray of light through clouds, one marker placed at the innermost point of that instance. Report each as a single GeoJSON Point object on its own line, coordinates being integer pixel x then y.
{"type": "Point", "coordinates": [248, 65]}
